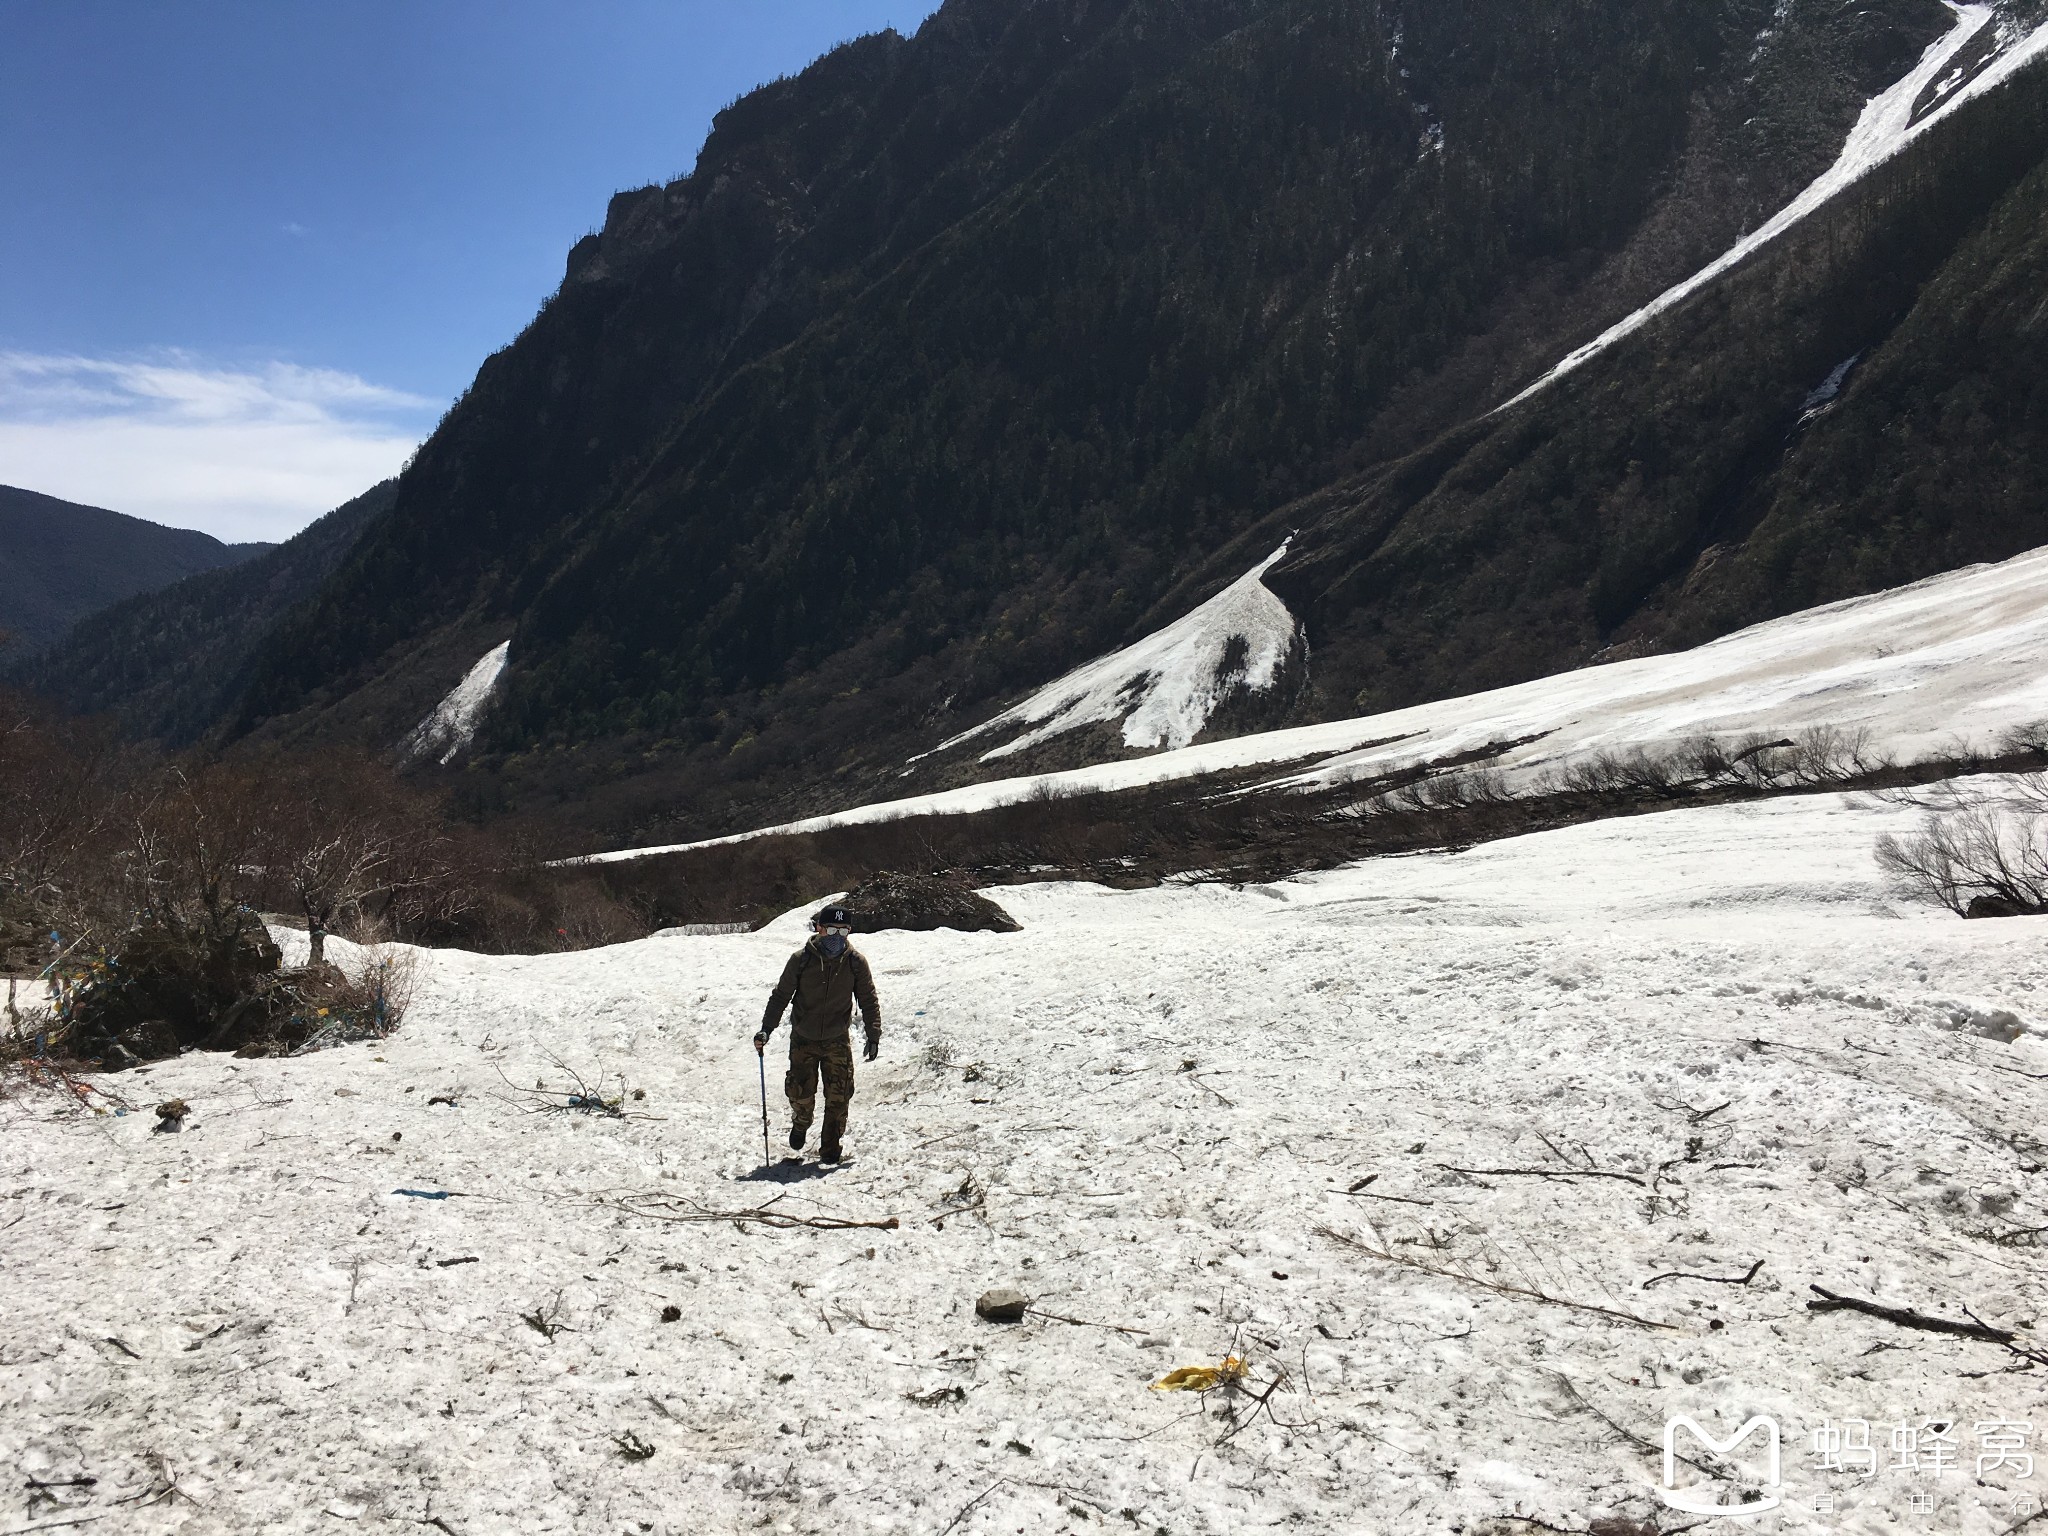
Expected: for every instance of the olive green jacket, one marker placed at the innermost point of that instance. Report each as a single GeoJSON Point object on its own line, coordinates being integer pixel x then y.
{"type": "Point", "coordinates": [820, 995]}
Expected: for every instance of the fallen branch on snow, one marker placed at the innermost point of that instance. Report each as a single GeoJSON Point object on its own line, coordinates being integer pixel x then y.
{"type": "Point", "coordinates": [1906, 1318]}
{"type": "Point", "coordinates": [1544, 1173]}
{"type": "Point", "coordinates": [682, 1208]}
{"type": "Point", "coordinates": [1081, 1322]}
{"type": "Point", "coordinates": [1498, 1287]}
{"type": "Point", "coordinates": [1679, 1274]}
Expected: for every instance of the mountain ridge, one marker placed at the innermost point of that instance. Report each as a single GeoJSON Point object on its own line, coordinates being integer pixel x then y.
{"type": "Point", "coordinates": [962, 359]}
{"type": "Point", "coordinates": [61, 561]}
{"type": "Point", "coordinates": [166, 663]}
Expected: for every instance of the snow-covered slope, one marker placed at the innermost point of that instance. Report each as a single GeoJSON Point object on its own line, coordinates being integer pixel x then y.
{"type": "Point", "coordinates": [1182, 1120]}
{"type": "Point", "coordinates": [452, 725]}
{"type": "Point", "coordinates": [1956, 656]}
{"type": "Point", "coordinates": [1166, 686]}
{"type": "Point", "coordinates": [1888, 123]}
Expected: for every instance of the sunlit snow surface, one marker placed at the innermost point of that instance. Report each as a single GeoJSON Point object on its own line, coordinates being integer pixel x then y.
{"type": "Point", "coordinates": [1165, 687]}
{"type": "Point", "coordinates": [1885, 127]}
{"type": "Point", "coordinates": [1171, 1092]}
{"type": "Point", "coordinates": [452, 725]}
{"type": "Point", "coordinates": [1958, 656]}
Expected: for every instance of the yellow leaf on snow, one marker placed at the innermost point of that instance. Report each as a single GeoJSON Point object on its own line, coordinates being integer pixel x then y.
{"type": "Point", "coordinates": [1201, 1378]}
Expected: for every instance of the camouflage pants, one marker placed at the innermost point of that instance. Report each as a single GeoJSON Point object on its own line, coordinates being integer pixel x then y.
{"type": "Point", "coordinates": [831, 1060]}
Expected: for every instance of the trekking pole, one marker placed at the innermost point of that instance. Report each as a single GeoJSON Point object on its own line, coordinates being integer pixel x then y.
{"type": "Point", "coordinates": [763, 1056]}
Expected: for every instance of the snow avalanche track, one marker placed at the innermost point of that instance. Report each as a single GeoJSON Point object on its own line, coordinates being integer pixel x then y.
{"type": "Point", "coordinates": [1145, 1110]}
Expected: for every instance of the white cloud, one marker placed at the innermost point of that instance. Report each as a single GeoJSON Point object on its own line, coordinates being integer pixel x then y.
{"type": "Point", "coordinates": [244, 453]}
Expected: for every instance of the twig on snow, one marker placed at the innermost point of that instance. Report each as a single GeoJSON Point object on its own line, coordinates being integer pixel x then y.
{"type": "Point", "coordinates": [1162, 1429]}
{"type": "Point", "coordinates": [1679, 1274]}
{"type": "Point", "coordinates": [1640, 1442]}
{"type": "Point", "coordinates": [1080, 1322]}
{"type": "Point", "coordinates": [1196, 1079]}
{"type": "Point", "coordinates": [991, 1488]}
{"type": "Point", "coordinates": [1693, 1116]}
{"type": "Point", "coordinates": [1544, 1173]}
{"type": "Point", "coordinates": [1366, 1194]}
{"type": "Point", "coordinates": [2016, 1235]}
{"type": "Point", "coordinates": [761, 1215]}
{"type": "Point", "coordinates": [545, 1321]}
{"type": "Point", "coordinates": [1525, 1292]}
{"type": "Point", "coordinates": [1262, 1403]}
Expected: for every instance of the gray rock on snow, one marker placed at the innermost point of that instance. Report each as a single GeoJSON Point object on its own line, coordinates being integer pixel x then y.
{"type": "Point", "coordinates": [1004, 1304]}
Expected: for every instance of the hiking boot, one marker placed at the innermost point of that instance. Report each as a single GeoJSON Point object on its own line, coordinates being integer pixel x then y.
{"type": "Point", "coordinates": [830, 1153]}
{"type": "Point", "coordinates": [796, 1137]}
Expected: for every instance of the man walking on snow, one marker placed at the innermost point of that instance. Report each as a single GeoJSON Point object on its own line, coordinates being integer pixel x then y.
{"type": "Point", "coordinates": [819, 986]}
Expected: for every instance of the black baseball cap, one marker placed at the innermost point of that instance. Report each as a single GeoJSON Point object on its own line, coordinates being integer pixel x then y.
{"type": "Point", "coordinates": [833, 917]}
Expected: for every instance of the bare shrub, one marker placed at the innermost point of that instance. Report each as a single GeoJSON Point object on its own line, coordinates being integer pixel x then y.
{"type": "Point", "coordinates": [1761, 763]}
{"type": "Point", "coordinates": [1987, 859]}
{"type": "Point", "coordinates": [587, 915]}
{"type": "Point", "coordinates": [1827, 754]}
{"type": "Point", "coordinates": [2029, 740]}
{"type": "Point", "coordinates": [1597, 773]}
{"type": "Point", "coordinates": [1705, 759]}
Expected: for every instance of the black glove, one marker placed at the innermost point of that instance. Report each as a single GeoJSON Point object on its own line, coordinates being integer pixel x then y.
{"type": "Point", "coordinates": [760, 1042]}
{"type": "Point", "coordinates": [874, 1045]}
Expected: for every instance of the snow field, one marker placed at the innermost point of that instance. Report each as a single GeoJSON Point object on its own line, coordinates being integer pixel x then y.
{"type": "Point", "coordinates": [452, 725]}
{"type": "Point", "coordinates": [1166, 686]}
{"type": "Point", "coordinates": [1145, 1110]}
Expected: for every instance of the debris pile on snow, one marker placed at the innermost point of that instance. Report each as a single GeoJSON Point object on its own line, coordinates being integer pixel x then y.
{"type": "Point", "coordinates": [922, 903]}
{"type": "Point", "coordinates": [1890, 121]}
{"type": "Point", "coordinates": [1166, 686]}
{"type": "Point", "coordinates": [452, 725]}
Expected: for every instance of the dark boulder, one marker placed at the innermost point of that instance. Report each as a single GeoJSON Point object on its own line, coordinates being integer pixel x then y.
{"type": "Point", "coordinates": [1998, 906]}
{"type": "Point", "coordinates": [922, 903]}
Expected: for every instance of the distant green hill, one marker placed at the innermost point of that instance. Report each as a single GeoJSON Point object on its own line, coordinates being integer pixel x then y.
{"type": "Point", "coordinates": [168, 662]}
{"type": "Point", "coordinates": [60, 561]}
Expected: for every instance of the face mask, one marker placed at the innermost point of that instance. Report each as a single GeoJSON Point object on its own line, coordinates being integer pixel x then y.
{"type": "Point", "coordinates": [832, 945]}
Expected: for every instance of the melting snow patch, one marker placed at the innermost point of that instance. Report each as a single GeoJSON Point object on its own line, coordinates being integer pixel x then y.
{"type": "Point", "coordinates": [1167, 685]}
{"type": "Point", "coordinates": [453, 723]}
{"type": "Point", "coordinates": [1822, 396]}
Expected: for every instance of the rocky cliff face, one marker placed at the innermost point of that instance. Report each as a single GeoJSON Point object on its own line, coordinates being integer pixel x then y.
{"type": "Point", "coordinates": [962, 359]}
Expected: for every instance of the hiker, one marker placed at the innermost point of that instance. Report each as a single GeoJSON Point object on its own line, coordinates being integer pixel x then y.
{"type": "Point", "coordinates": [819, 986]}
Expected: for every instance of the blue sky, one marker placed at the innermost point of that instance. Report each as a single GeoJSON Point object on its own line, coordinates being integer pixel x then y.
{"type": "Point", "coordinates": [249, 249]}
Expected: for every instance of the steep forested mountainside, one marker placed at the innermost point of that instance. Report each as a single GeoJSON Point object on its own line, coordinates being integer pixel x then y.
{"type": "Point", "coordinates": [169, 662]}
{"type": "Point", "coordinates": [960, 359]}
{"type": "Point", "coordinates": [60, 561]}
